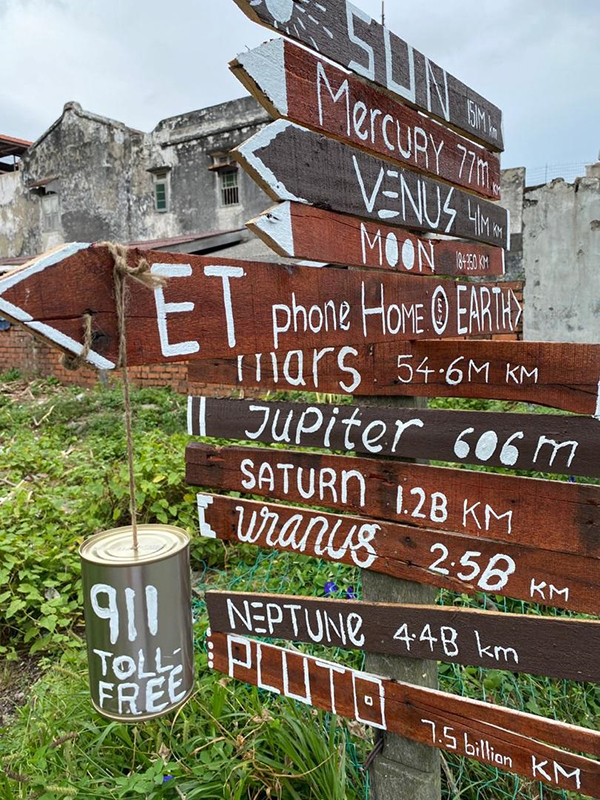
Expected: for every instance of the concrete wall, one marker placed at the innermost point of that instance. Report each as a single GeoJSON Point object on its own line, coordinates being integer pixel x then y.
{"type": "Point", "coordinates": [556, 248]}
{"type": "Point", "coordinates": [102, 173]}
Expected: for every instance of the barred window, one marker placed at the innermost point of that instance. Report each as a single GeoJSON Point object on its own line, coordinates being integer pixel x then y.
{"type": "Point", "coordinates": [230, 190]}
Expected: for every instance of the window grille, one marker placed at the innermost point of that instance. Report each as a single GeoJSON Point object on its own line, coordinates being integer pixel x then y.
{"type": "Point", "coordinates": [230, 190]}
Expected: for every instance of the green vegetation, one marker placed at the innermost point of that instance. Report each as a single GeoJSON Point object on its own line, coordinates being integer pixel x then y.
{"type": "Point", "coordinates": [63, 477]}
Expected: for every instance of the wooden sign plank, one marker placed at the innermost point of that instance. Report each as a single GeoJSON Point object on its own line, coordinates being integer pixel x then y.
{"type": "Point", "coordinates": [451, 561]}
{"type": "Point", "coordinates": [541, 442]}
{"type": "Point", "coordinates": [293, 163]}
{"type": "Point", "coordinates": [549, 515]}
{"type": "Point", "coordinates": [347, 35]}
{"type": "Point", "coordinates": [297, 85]}
{"type": "Point", "coordinates": [294, 230]}
{"type": "Point", "coordinates": [513, 741]}
{"type": "Point", "coordinates": [552, 646]}
{"type": "Point", "coordinates": [558, 375]}
{"type": "Point", "coordinates": [217, 307]}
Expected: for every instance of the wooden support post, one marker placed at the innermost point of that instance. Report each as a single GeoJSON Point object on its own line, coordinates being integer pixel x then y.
{"type": "Point", "coordinates": [404, 770]}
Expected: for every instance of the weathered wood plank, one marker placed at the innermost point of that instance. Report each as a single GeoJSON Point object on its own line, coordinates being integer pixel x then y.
{"type": "Point", "coordinates": [344, 33]}
{"type": "Point", "coordinates": [550, 515]}
{"type": "Point", "coordinates": [295, 230]}
{"type": "Point", "coordinates": [293, 163]}
{"type": "Point", "coordinates": [297, 85]}
{"type": "Point", "coordinates": [558, 375]}
{"type": "Point", "coordinates": [557, 647]}
{"type": "Point", "coordinates": [217, 306]}
{"type": "Point", "coordinates": [541, 442]}
{"type": "Point", "coordinates": [451, 561]}
{"type": "Point", "coordinates": [521, 743]}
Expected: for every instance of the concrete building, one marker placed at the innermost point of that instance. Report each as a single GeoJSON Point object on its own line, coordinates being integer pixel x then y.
{"type": "Point", "coordinates": [555, 249]}
{"type": "Point", "coordinates": [89, 178]}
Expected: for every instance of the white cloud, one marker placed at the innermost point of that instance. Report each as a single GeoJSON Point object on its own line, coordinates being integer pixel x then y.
{"type": "Point", "coordinates": [142, 60]}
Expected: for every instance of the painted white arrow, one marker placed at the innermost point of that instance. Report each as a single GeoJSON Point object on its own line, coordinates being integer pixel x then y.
{"type": "Point", "coordinates": [38, 265]}
{"type": "Point", "coordinates": [293, 163]}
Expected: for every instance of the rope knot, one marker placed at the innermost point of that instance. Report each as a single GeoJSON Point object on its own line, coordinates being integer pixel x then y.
{"type": "Point", "coordinates": [142, 273]}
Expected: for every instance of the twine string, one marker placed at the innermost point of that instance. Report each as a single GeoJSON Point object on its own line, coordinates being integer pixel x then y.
{"type": "Point", "coordinates": [142, 274]}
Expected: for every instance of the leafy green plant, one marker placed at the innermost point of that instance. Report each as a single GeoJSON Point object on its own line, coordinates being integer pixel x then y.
{"type": "Point", "coordinates": [228, 742]}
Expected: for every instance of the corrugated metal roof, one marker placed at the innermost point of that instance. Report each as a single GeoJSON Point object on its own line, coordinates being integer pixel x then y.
{"type": "Point", "coordinates": [160, 244]}
{"type": "Point", "coordinates": [148, 244]}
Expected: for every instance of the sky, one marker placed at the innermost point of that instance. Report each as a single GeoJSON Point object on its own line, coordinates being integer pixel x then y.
{"type": "Point", "coordinates": [140, 61]}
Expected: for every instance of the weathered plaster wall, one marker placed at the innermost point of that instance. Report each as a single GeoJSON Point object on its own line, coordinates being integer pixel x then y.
{"type": "Point", "coordinates": [104, 180]}
{"type": "Point", "coordinates": [513, 186]}
{"type": "Point", "coordinates": [17, 216]}
{"type": "Point", "coordinates": [555, 248]}
{"type": "Point", "coordinates": [185, 143]}
{"type": "Point", "coordinates": [561, 256]}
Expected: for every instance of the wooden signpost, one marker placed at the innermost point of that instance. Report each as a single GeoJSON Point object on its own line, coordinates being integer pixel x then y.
{"type": "Point", "coordinates": [341, 31]}
{"type": "Point", "coordinates": [549, 515]}
{"type": "Point", "coordinates": [364, 181]}
{"type": "Point", "coordinates": [542, 442]}
{"type": "Point", "coordinates": [218, 307]}
{"type": "Point", "coordinates": [314, 93]}
{"type": "Point", "coordinates": [342, 178]}
{"type": "Point", "coordinates": [554, 374]}
{"type": "Point", "coordinates": [459, 562]}
{"type": "Point", "coordinates": [295, 230]}
{"type": "Point", "coordinates": [537, 645]}
{"type": "Point", "coordinates": [524, 744]}
{"type": "Point", "coordinates": [366, 174]}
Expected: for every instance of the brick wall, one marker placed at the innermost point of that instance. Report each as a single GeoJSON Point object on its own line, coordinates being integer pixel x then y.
{"type": "Point", "coordinates": [20, 350]}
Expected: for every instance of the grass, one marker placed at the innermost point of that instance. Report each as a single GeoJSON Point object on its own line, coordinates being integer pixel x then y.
{"type": "Point", "coordinates": [62, 478]}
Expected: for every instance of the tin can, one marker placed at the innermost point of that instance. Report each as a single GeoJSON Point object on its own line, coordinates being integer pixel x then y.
{"type": "Point", "coordinates": [138, 615]}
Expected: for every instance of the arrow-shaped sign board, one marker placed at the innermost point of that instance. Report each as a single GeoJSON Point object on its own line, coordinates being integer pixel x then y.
{"type": "Point", "coordinates": [293, 163]}
{"type": "Point", "coordinates": [554, 374]}
{"type": "Point", "coordinates": [219, 307]}
{"type": "Point", "coordinates": [346, 34]}
{"type": "Point", "coordinates": [293, 83]}
{"type": "Point", "coordinates": [458, 562]}
{"type": "Point", "coordinates": [541, 442]}
{"type": "Point", "coordinates": [515, 642]}
{"type": "Point", "coordinates": [556, 516]}
{"type": "Point", "coordinates": [295, 230]}
{"type": "Point", "coordinates": [525, 744]}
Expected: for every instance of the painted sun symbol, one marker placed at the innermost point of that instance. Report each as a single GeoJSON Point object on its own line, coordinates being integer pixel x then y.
{"type": "Point", "coordinates": [297, 18]}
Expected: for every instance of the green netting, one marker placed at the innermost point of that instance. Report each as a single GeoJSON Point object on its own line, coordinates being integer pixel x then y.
{"type": "Point", "coordinates": [286, 573]}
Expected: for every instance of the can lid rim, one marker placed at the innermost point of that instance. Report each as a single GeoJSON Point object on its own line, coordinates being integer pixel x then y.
{"type": "Point", "coordinates": [112, 547]}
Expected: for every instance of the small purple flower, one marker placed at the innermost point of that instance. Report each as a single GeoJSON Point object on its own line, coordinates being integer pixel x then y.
{"type": "Point", "coordinates": [350, 593]}
{"type": "Point", "coordinates": [330, 588]}
{"type": "Point", "coordinates": [168, 778]}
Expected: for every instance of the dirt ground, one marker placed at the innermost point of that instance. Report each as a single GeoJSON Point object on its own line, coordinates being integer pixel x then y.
{"type": "Point", "coordinates": [15, 678]}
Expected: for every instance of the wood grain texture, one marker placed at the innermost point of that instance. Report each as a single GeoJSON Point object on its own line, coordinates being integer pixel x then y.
{"type": "Point", "coordinates": [521, 743]}
{"type": "Point", "coordinates": [297, 85]}
{"type": "Point", "coordinates": [292, 163]}
{"type": "Point", "coordinates": [551, 646]}
{"type": "Point", "coordinates": [541, 442]}
{"type": "Point", "coordinates": [550, 515]}
{"type": "Point", "coordinates": [344, 33]}
{"type": "Point", "coordinates": [452, 561]}
{"type": "Point", "coordinates": [558, 375]}
{"type": "Point", "coordinates": [295, 230]}
{"type": "Point", "coordinates": [217, 306]}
